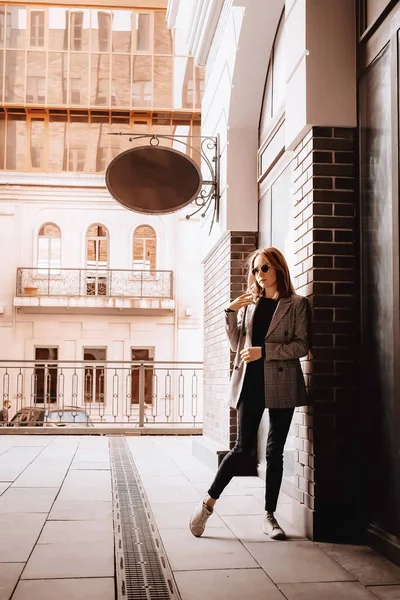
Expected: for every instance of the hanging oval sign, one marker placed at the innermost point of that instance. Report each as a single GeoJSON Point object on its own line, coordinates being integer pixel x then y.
{"type": "Point", "coordinates": [153, 179]}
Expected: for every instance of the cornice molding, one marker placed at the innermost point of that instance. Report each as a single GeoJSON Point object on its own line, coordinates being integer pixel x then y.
{"type": "Point", "coordinates": [105, 3]}
{"type": "Point", "coordinates": [219, 30]}
{"type": "Point", "coordinates": [200, 26]}
{"type": "Point", "coordinates": [50, 179]}
{"type": "Point", "coordinates": [204, 25]}
{"type": "Point", "coordinates": [172, 13]}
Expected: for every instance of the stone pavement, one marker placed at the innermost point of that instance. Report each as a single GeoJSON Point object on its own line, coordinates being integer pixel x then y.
{"type": "Point", "coordinates": [56, 532]}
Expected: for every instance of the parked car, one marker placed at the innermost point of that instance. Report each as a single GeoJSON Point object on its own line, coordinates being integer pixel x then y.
{"type": "Point", "coordinates": [68, 416]}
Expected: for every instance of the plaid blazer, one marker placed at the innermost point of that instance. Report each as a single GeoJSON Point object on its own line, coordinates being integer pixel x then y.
{"type": "Point", "coordinates": [286, 341]}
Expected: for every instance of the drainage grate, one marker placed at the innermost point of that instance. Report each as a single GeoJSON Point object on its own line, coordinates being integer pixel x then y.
{"type": "Point", "coordinates": [142, 568]}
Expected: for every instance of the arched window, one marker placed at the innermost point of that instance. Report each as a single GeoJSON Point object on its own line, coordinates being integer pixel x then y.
{"type": "Point", "coordinates": [97, 247]}
{"type": "Point", "coordinates": [96, 260]}
{"type": "Point", "coordinates": [275, 86]}
{"type": "Point", "coordinates": [144, 248]}
{"type": "Point", "coordinates": [49, 249]}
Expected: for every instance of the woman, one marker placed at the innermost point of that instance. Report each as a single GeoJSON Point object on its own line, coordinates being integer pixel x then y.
{"type": "Point", "coordinates": [267, 328]}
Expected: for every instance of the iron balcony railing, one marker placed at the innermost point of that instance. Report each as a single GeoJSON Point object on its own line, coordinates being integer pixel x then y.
{"type": "Point", "coordinates": [92, 282]}
{"type": "Point", "coordinates": [96, 393]}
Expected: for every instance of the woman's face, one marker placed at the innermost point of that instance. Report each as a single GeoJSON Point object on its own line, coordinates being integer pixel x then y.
{"type": "Point", "coordinates": [264, 280]}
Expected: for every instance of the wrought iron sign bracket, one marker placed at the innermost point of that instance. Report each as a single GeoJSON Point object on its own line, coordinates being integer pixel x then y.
{"type": "Point", "coordinates": [209, 155]}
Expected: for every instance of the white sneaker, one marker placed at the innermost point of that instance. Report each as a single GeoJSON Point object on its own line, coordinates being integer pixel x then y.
{"type": "Point", "coordinates": [272, 528]}
{"type": "Point", "coordinates": [199, 518]}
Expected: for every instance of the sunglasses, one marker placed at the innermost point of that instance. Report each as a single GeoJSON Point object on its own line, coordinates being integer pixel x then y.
{"type": "Point", "coordinates": [263, 268]}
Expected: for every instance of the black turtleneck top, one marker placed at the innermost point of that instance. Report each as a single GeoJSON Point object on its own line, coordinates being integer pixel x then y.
{"type": "Point", "coordinates": [262, 320]}
{"type": "Point", "coordinates": [254, 377]}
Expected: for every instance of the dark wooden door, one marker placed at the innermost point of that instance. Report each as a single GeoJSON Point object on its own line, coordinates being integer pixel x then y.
{"type": "Point", "coordinates": [379, 251]}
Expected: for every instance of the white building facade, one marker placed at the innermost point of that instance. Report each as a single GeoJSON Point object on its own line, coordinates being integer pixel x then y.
{"type": "Point", "coordinates": [116, 304]}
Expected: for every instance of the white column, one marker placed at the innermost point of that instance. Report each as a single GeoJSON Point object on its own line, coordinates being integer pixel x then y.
{"type": "Point", "coordinates": [320, 66]}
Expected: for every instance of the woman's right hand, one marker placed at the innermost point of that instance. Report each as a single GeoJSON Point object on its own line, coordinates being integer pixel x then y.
{"type": "Point", "coordinates": [243, 300]}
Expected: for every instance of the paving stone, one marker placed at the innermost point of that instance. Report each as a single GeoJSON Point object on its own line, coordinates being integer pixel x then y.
{"type": "Point", "coordinates": [160, 481]}
{"type": "Point", "coordinates": [27, 500]}
{"type": "Point", "coordinates": [250, 482]}
{"type": "Point", "coordinates": [349, 590]}
{"type": "Point", "coordinates": [296, 562]}
{"type": "Point", "coordinates": [368, 566]}
{"type": "Point", "coordinates": [72, 532]}
{"type": "Point", "coordinates": [204, 476]}
{"type": "Point", "coordinates": [248, 528]}
{"type": "Point", "coordinates": [216, 549]}
{"type": "Point", "coordinates": [285, 511]}
{"type": "Point", "coordinates": [90, 486]}
{"type": "Point", "coordinates": [37, 476]}
{"type": "Point", "coordinates": [87, 465]}
{"type": "Point", "coordinates": [386, 592]}
{"type": "Point", "coordinates": [9, 575]}
{"type": "Point", "coordinates": [234, 584]}
{"type": "Point", "coordinates": [66, 510]}
{"type": "Point", "coordinates": [156, 467]}
{"type": "Point", "coordinates": [169, 494]}
{"type": "Point", "coordinates": [73, 560]}
{"type": "Point", "coordinates": [66, 589]}
{"type": "Point", "coordinates": [243, 505]}
{"type": "Point", "coordinates": [31, 441]}
{"type": "Point", "coordinates": [15, 461]}
{"type": "Point", "coordinates": [18, 535]}
{"type": "Point", "coordinates": [4, 485]}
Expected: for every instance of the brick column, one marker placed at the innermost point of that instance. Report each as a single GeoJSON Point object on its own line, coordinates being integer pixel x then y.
{"type": "Point", "coordinates": [224, 279]}
{"type": "Point", "coordinates": [326, 467]}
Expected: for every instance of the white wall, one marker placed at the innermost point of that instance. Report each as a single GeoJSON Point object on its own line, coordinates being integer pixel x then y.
{"type": "Point", "coordinates": [189, 289]}
{"type": "Point", "coordinates": [71, 333]}
{"type": "Point", "coordinates": [320, 66]}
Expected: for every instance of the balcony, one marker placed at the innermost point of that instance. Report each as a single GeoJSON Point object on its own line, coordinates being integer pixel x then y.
{"type": "Point", "coordinates": [83, 290]}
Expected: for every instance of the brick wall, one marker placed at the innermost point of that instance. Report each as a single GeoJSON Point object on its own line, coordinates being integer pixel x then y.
{"type": "Point", "coordinates": [224, 280]}
{"type": "Point", "coordinates": [326, 452]}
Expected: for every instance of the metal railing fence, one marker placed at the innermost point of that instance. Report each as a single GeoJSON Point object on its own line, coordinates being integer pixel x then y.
{"type": "Point", "coordinates": [94, 282]}
{"type": "Point", "coordinates": [94, 393]}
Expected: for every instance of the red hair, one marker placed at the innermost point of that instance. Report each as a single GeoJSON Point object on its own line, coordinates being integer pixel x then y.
{"type": "Point", "coordinates": [274, 258]}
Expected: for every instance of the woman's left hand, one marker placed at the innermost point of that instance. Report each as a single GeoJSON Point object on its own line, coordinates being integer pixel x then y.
{"type": "Point", "coordinates": [251, 354]}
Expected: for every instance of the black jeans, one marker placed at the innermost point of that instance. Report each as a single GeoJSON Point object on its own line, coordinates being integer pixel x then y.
{"type": "Point", "coordinates": [249, 413]}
